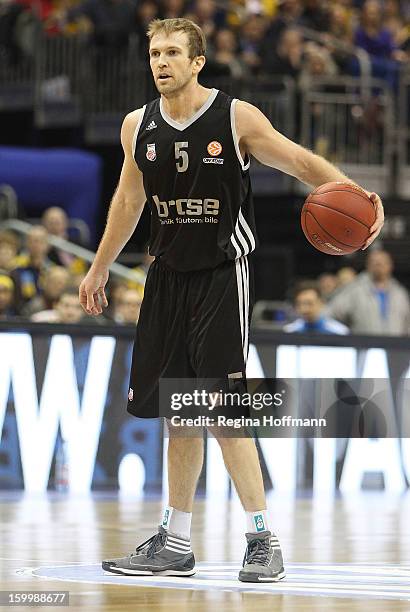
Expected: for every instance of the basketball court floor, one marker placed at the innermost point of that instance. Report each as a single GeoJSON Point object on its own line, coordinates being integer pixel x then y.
{"type": "Point", "coordinates": [341, 554]}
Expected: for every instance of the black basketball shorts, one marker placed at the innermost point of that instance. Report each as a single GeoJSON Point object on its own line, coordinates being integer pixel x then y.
{"type": "Point", "coordinates": [192, 325]}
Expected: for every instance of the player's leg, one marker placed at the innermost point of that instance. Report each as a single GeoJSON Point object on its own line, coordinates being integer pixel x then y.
{"type": "Point", "coordinates": [185, 459]}
{"type": "Point", "coordinates": [242, 462]}
{"type": "Point", "coordinates": [219, 347]}
{"type": "Point", "coordinates": [263, 561]}
{"type": "Point", "coordinates": [160, 353]}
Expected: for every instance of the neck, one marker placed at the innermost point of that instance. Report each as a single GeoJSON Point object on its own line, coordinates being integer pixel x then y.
{"type": "Point", "coordinates": [37, 261]}
{"type": "Point", "coordinates": [184, 103]}
{"type": "Point", "coordinates": [381, 284]}
{"type": "Point", "coordinates": [313, 320]}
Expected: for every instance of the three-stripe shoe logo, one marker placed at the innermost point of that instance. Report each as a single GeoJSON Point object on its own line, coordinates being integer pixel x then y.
{"type": "Point", "coordinates": [151, 126]}
{"type": "Point", "coordinates": [178, 545]}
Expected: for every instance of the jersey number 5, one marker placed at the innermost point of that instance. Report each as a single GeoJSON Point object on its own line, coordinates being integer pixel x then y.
{"type": "Point", "coordinates": [181, 157]}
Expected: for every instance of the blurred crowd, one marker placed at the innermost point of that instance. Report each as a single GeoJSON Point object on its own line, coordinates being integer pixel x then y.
{"type": "Point", "coordinates": [299, 38]}
{"type": "Point", "coordinates": [39, 282]}
{"type": "Point", "coordinates": [372, 302]}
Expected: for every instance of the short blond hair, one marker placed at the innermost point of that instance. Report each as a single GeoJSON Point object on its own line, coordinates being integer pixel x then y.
{"type": "Point", "coordinates": [196, 37]}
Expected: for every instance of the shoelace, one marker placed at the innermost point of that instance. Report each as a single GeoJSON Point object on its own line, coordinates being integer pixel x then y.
{"type": "Point", "coordinates": [152, 545]}
{"type": "Point", "coordinates": [257, 552]}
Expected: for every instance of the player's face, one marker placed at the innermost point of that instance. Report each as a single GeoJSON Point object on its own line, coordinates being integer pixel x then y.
{"type": "Point", "coordinates": [171, 66]}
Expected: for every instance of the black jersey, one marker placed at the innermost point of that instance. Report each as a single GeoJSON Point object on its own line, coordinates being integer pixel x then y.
{"type": "Point", "coordinates": [197, 185]}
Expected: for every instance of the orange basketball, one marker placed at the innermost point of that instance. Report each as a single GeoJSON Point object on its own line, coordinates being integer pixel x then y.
{"type": "Point", "coordinates": [337, 217]}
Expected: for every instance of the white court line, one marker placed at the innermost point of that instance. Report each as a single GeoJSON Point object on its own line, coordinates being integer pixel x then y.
{"type": "Point", "coordinates": [377, 571]}
{"type": "Point", "coordinates": [50, 561]}
{"type": "Point", "coordinates": [331, 577]}
{"type": "Point", "coordinates": [244, 586]}
{"type": "Point", "coordinates": [307, 588]}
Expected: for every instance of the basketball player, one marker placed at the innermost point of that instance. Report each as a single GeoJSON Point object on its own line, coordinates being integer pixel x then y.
{"type": "Point", "coordinates": [187, 154]}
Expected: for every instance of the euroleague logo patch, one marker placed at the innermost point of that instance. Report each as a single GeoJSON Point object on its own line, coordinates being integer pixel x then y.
{"type": "Point", "coordinates": [214, 148]}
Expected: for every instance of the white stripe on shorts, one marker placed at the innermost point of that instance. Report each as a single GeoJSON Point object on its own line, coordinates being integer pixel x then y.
{"type": "Point", "coordinates": [242, 279]}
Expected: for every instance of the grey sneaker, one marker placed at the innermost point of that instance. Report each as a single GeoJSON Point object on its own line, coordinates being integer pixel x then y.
{"type": "Point", "coordinates": [164, 554]}
{"type": "Point", "coordinates": [263, 560]}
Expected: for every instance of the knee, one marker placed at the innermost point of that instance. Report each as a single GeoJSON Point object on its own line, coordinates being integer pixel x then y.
{"type": "Point", "coordinates": [183, 432]}
{"type": "Point", "coordinates": [228, 436]}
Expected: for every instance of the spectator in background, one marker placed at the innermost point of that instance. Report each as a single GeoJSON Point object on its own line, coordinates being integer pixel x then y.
{"type": "Point", "coordinates": [344, 276]}
{"type": "Point", "coordinates": [30, 265]}
{"type": "Point", "coordinates": [252, 41]}
{"type": "Point", "coordinates": [287, 59]}
{"type": "Point", "coordinates": [339, 37]}
{"type": "Point", "coordinates": [327, 283]}
{"type": "Point", "coordinates": [208, 16]}
{"type": "Point", "coordinates": [7, 308]}
{"type": "Point", "coordinates": [66, 310]}
{"type": "Point", "coordinates": [52, 284]}
{"type": "Point", "coordinates": [112, 21]}
{"type": "Point", "coordinates": [9, 247]}
{"type": "Point", "coordinates": [116, 290]}
{"type": "Point", "coordinates": [10, 15]}
{"type": "Point", "coordinates": [288, 15]}
{"type": "Point", "coordinates": [378, 41]}
{"type": "Point", "coordinates": [225, 60]}
{"type": "Point", "coordinates": [393, 19]}
{"type": "Point", "coordinates": [128, 307]}
{"type": "Point", "coordinates": [55, 221]}
{"type": "Point", "coordinates": [315, 15]}
{"type": "Point", "coordinates": [147, 10]}
{"type": "Point", "coordinates": [374, 303]}
{"type": "Point", "coordinates": [171, 9]}
{"type": "Point", "coordinates": [309, 307]}
{"type": "Point", "coordinates": [317, 63]}
{"type": "Point", "coordinates": [372, 35]}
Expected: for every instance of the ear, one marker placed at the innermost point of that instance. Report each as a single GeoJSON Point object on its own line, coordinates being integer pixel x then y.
{"type": "Point", "coordinates": [199, 63]}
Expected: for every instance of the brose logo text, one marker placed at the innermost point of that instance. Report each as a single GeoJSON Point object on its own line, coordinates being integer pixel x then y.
{"type": "Point", "coordinates": [191, 207]}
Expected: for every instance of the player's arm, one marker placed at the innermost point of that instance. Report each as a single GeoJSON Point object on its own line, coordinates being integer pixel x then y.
{"type": "Point", "coordinates": [124, 213]}
{"type": "Point", "coordinates": [259, 138]}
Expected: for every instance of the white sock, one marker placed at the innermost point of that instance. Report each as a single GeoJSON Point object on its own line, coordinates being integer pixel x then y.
{"type": "Point", "coordinates": [256, 521]}
{"type": "Point", "coordinates": [177, 522]}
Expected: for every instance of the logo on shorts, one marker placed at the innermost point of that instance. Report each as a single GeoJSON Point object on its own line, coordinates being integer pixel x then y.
{"type": "Point", "coordinates": [214, 148]}
{"type": "Point", "coordinates": [259, 522]}
{"type": "Point", "coordinates": [166, 517]}
{"type": "Point", "coordinates": [151, 154]}
{"type": "Point", "coordinates": [131, 395]}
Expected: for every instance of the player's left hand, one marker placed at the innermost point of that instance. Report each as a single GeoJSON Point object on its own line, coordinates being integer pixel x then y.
{"type": "Point", "coordinates": [379, 222]}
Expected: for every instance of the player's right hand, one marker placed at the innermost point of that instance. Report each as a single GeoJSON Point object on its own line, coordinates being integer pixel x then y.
{"type": "Point", "coordinates": [91, 292]}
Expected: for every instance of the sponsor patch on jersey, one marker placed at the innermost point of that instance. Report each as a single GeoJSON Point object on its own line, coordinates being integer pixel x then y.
{"type": "Point", "coordinates": [213, 160]}
{"type": "Point", "coordinates": [214, 148]}
{"type": "Point", "coordinates": [151, 154]}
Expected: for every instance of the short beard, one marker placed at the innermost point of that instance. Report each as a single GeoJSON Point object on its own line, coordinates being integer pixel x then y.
{"type": "Point", "coordinates": [175, 89]}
